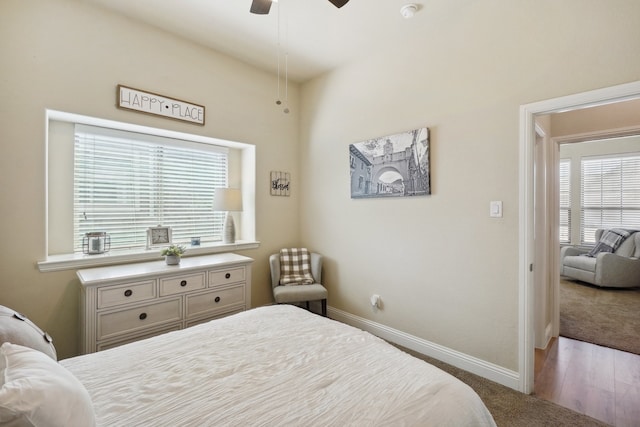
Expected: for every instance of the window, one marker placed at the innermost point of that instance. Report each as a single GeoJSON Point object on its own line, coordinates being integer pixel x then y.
{"type": "Point", "coordinates": [125, 182]}
{"type": "Point", "coordinates": [610, 194]}
{"type": "Point", "coordinates": [565, 201]}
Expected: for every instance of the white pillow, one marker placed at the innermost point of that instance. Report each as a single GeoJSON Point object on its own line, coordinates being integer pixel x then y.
{"type": "Point", "coordinates": [38, 391]}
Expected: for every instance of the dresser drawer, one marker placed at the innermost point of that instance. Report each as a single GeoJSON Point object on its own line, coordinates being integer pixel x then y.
{"type": "Point", "coordinates": [112, 296]}
{"type": "Point", "coordinates": [115, 343]}
{"type": "Point", "coordinates": [221, 277]}
{"type": "Point", "coordinates": [138, 318]}
{"type": "Point", "coordinates": [216, 315]}
{"type": "Point", "coordinates": [182, 284]}
{"type": "Point", "coordinates": [214, 301]}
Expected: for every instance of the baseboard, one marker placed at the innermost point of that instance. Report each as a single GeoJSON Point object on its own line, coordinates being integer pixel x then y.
{"type": "Point", "coordinates": [460, 360]}
{"type": "Point", "coordinates": [546, 339]}
{"type": "Point", "coordinates": [548, 334]}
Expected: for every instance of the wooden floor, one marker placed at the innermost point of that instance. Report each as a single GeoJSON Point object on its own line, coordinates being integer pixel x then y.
{"type": "Point", "coordinates": [597, 381]}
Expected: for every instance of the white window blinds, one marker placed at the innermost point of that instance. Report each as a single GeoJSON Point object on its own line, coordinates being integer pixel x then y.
{"type": "Point", "coordinates": [610, 194]}
{"type": "Point", "coordinates": [126, 182]}
{"type": "Point", "coordinates": [565, 201]}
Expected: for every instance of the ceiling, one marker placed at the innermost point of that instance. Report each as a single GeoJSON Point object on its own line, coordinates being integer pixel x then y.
{"type": "Point", "coordinates": [316, 35]}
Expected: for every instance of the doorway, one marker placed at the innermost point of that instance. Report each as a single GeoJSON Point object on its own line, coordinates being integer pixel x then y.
{"type": "Point", "coordinates": [577, 361]}
{"type": "Point", "coordinates": [527, 232]}
{"type": "Point", "coordinates": [562, 140]}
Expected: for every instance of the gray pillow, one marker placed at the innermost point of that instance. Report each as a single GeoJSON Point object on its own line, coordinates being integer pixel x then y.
{"type": "Point", "coordinates": [17, 329]}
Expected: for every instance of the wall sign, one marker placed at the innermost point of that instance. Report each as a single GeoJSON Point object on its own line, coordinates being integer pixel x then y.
{"type": "Point", "coordinates": [280, 182]}
{"type": "Point", "coordinates": [152, 103]}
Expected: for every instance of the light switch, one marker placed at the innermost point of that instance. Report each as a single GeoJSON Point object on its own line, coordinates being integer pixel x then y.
{"type": "Point", "coordinates": [495, 209]}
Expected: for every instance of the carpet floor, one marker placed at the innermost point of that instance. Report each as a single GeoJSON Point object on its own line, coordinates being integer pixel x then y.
{"type": "Point", "coordinates": [510, 407]}
{"type": "Point", "coordinates": [606, 317]}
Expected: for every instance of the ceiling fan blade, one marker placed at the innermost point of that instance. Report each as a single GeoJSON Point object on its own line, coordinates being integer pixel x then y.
{"type": "Point", "coordinates": [261, 7]}
{"type": "Point", "coordinates": [339, 3]}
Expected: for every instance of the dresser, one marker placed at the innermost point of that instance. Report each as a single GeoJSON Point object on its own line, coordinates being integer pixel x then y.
{"type": "Point", "coordinates": [125, 303]}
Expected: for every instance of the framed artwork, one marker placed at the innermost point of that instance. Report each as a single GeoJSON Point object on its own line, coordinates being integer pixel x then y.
{"type": "Point", "coordinates": [157, 236]}
{"type": "Point", "coordinates": [280, 183]}
{"type": "Point", "coordinates": [391, 166]}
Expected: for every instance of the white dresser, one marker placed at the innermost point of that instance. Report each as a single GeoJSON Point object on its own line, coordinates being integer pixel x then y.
{"type": "Point", "coordinates": [129, 302]}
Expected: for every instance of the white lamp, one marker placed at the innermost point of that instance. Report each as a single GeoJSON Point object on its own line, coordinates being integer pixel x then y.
{"type": "Point", "coordinates": [228, 200]}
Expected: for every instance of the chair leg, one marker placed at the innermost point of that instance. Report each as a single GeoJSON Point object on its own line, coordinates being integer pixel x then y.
{"type": "Point", "coordinates": [324, 307]}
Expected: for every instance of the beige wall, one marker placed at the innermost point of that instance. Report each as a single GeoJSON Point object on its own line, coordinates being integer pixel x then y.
{"type": "Point", "coordinates": [446, 271]}
{"type": "Point", "coordinates": [66, 56]}
{"type": "Point", "coordinates": [619, 115]}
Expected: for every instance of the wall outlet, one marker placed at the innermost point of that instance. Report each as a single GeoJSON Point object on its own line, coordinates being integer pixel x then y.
{"type": "Point", "coordinates": [375, 301]}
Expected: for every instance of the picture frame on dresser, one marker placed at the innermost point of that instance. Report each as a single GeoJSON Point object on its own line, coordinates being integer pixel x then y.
{"type": "Point", "coordinates": [158, 236]}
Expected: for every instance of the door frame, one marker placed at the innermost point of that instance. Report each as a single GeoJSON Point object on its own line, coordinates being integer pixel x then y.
{"type": "Point", "coordinates": [526, 297]}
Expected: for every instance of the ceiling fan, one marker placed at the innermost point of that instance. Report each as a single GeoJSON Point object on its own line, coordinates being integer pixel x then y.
{"type": "Point", "coordinates": [261, 7]}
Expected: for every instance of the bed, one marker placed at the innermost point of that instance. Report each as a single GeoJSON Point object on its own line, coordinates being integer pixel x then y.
{"type": "Point", "coordinates": [271, 366]}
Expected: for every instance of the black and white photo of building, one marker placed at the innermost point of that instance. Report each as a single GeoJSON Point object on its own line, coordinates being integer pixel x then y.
{"type": "Point", "coordinates": [391, 166]}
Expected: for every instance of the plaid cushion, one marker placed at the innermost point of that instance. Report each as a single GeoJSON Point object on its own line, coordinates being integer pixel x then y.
{"type": "Point", "coordinates": [610, 240]}
{"type": "Point", "coordinates": [295, 267]}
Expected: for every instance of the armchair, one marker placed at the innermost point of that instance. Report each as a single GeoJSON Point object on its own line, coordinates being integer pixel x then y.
{"type": "Point", "coordinates": [299, 293]}
{"type": "Point", "coordinates": [620, 269]}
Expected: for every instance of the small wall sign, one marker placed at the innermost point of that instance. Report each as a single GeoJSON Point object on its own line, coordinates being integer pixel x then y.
{"type": "Point", "coordinates": [152, 103]}
{"type": "Point", "coordinates": [280, 182]}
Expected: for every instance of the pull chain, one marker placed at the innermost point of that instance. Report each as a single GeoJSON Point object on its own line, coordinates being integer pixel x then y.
{"type": "Point", "coordinates": [278, 102]}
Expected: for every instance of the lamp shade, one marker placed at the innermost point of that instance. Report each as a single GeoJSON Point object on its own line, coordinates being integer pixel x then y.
{"type": "Point", "coordinates": [227, 199]}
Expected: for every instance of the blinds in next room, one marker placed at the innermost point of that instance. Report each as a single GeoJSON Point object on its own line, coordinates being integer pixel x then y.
{"type": "Point", "coordinates": [610, 194]}
{"type": "Point", "coordinates": [565, 201]}
{"type": "Point", "coordinates": [125, 182]}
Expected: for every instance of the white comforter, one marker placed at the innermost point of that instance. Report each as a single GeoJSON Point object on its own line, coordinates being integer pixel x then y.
{"type": "Point", "coordinates": [272, 366]}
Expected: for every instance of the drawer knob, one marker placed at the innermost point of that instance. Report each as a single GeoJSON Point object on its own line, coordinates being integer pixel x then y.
{"type": "Point", "coordinates": [228, 275]}
{"type": "Point", "coordinates": [217, 299]}
{"type": "Point", "coordinates": [183, 283]}
{"type": "Point", "coordinates": [128, 293]}
{"type": "Point", "coordinates": [143, 316]}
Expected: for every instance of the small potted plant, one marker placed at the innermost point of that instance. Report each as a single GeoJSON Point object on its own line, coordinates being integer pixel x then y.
{"type": "Point", "coordinates": [172, 254]}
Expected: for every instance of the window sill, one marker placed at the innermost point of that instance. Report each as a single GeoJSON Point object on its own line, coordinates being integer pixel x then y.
{"type": "Point", "coordinates": [76, 261]}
